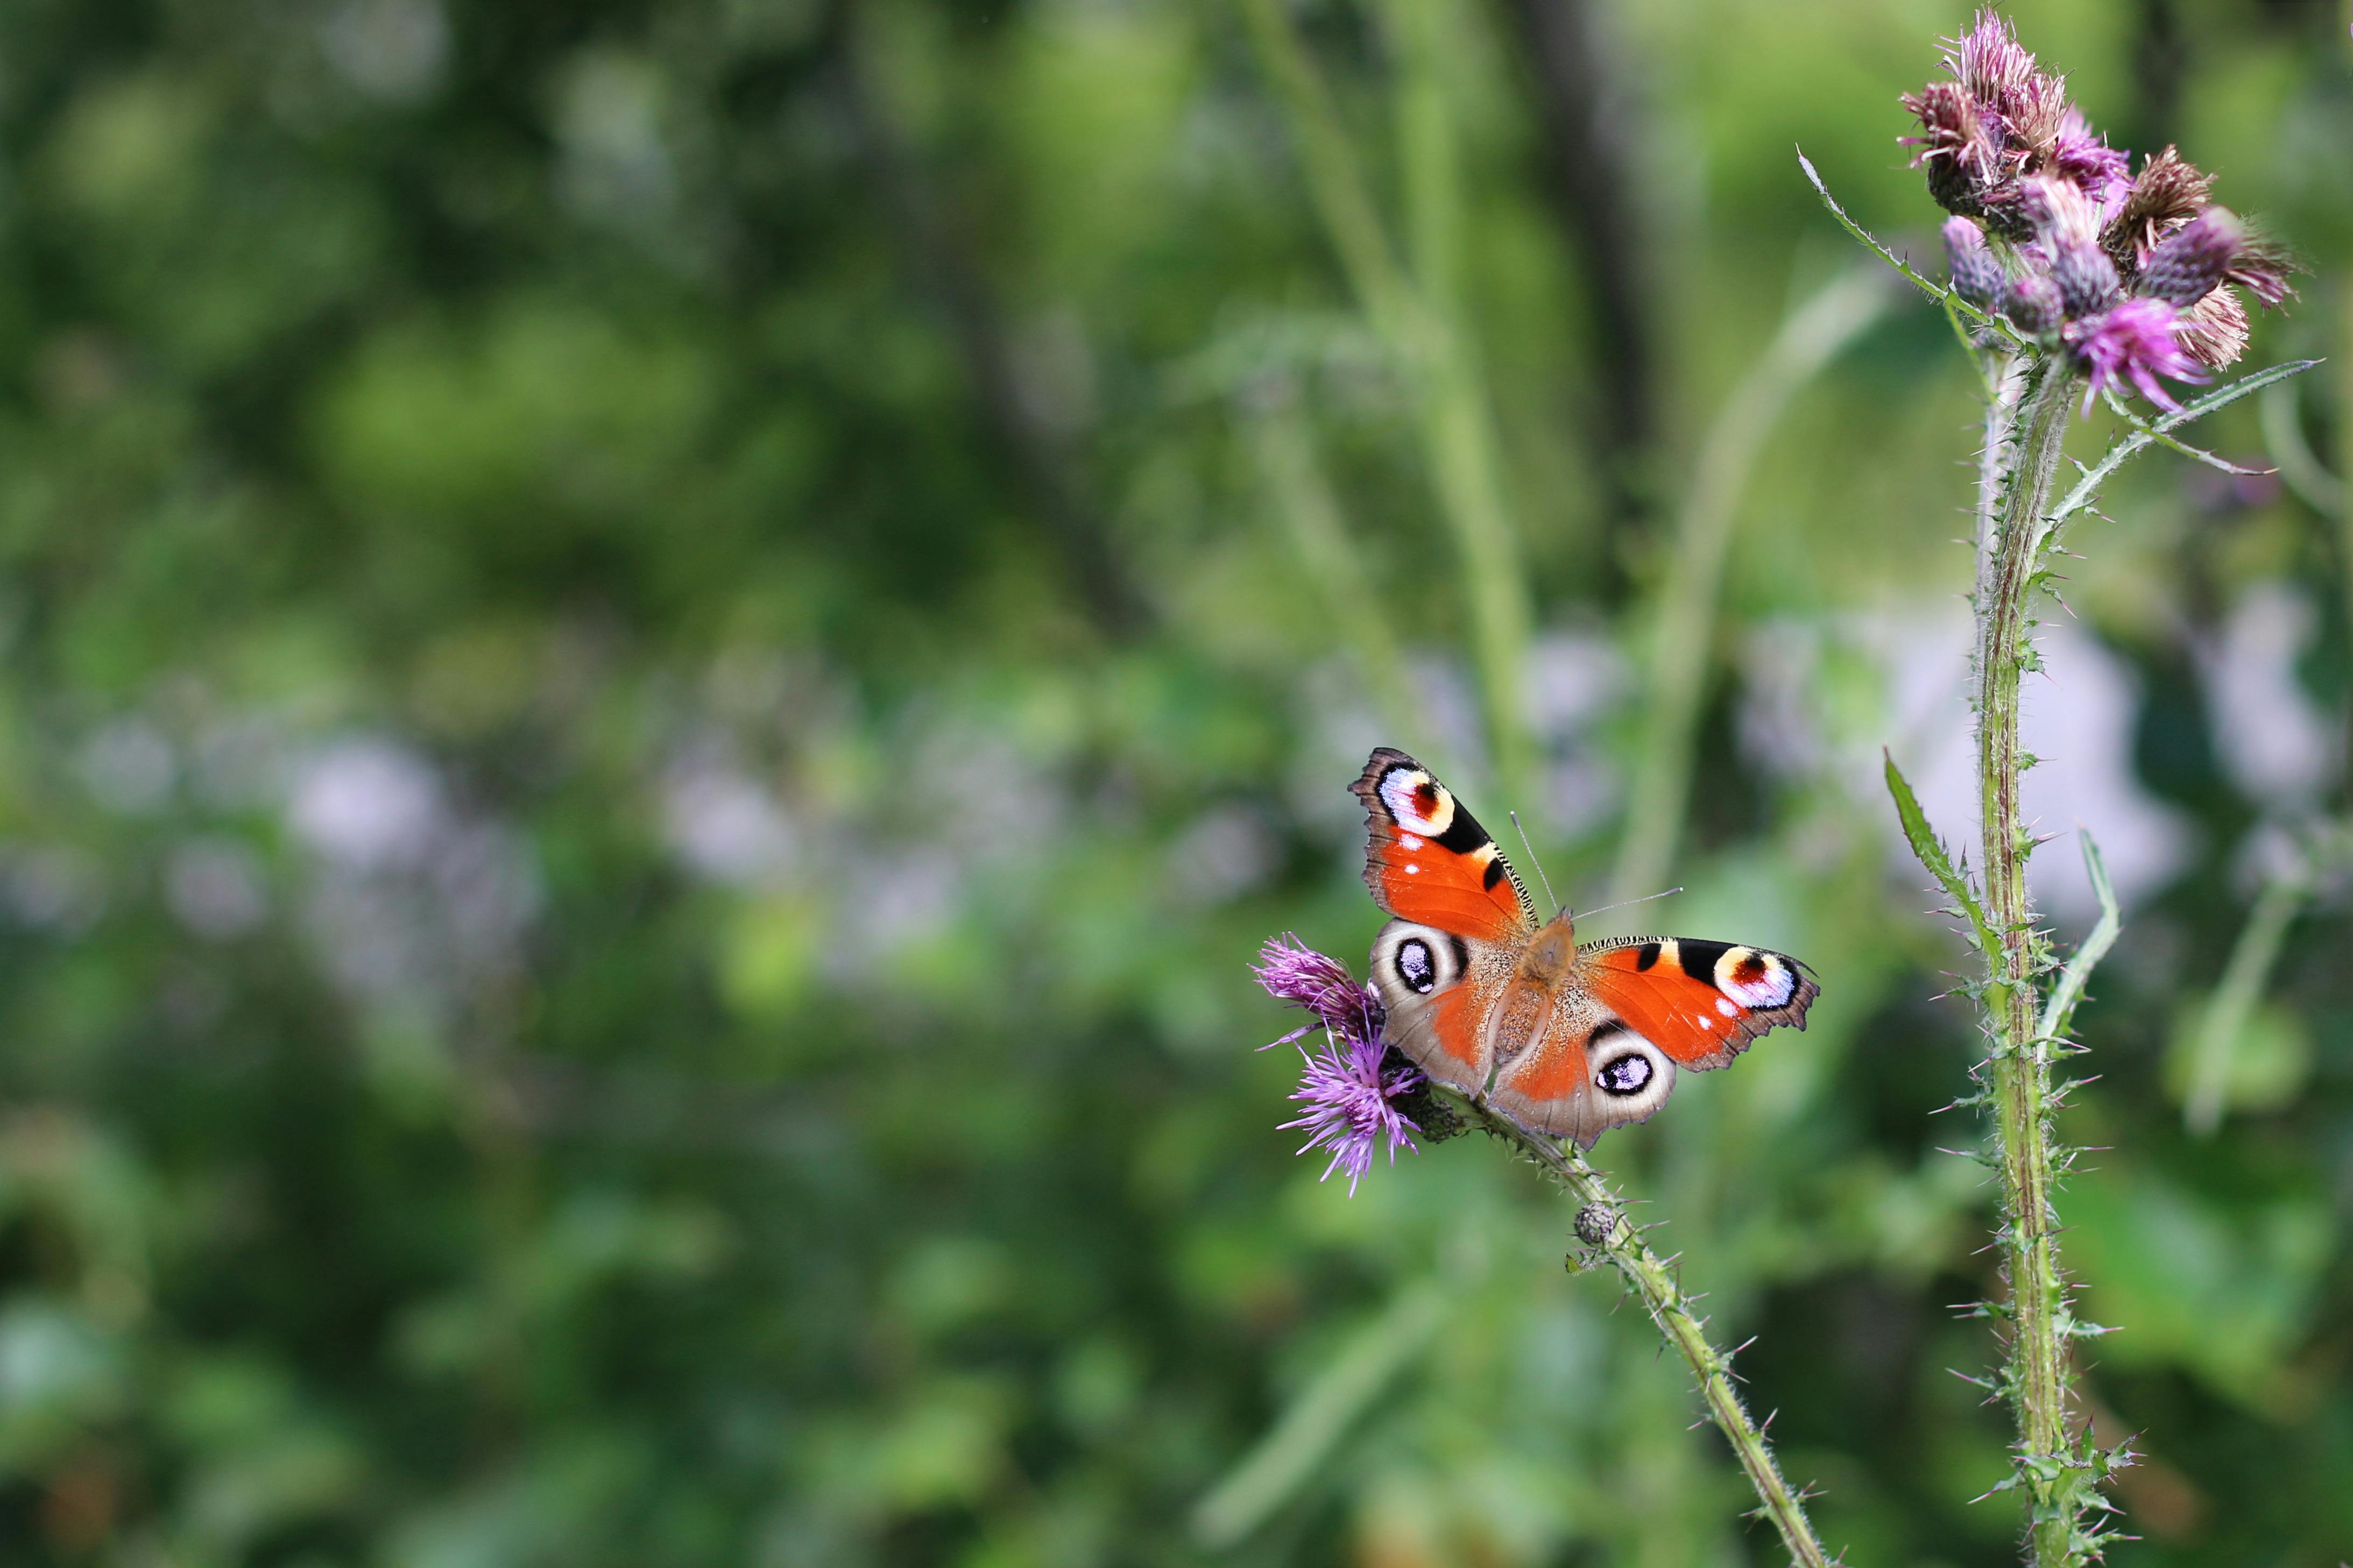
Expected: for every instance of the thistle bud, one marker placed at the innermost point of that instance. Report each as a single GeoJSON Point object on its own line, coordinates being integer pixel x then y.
{"type": "Point", "coordinates": [2188, 262]}
{"type": "Point", "coordinates": [2032, 303]}
{"type": "Point", "coordinates": [1977, 275]}
{"type": "Point", "coordinates": [2086, 279]}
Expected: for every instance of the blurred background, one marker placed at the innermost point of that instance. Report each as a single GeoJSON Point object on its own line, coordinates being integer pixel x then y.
{"type": "Point", "coordinates": [663, 659]}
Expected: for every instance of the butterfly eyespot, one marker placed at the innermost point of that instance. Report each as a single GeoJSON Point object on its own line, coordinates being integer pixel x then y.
{"type": "Point", "coordinates": [1629, 1074]}
{"type": "Point", "coordinates": [1417, 803]}
{"type": "Point", "coordinates": [1416, 967]}
{"type": "Point", "coordinates": [1754, 978]}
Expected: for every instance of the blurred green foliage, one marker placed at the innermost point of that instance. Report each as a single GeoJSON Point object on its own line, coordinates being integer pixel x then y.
{"type": "Point", "coordinates": [656, 684]}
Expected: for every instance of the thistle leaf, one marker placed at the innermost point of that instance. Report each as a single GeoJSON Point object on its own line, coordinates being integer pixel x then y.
{"type": "Point", "coordinates": [1937, 859]}
{"type": "Point", "coordinates": [2060, 1008]}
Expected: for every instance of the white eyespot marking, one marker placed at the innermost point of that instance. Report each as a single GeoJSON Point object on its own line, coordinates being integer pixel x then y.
{"type": "Point", "coordinates": [1755, 979]}
{"type": "Point", "coordinates": [1409, 840]}
{"type": "Point", "coordinates": [1629, 1074]}
{"type": "Point", "coordinates": [1419, 803]}
{"type": "Point", "coordinates": [1411, 869]}
{"type": "Point", "coordinates": [1728, 1007]}
{"type": "Point", "coordinates": [1416, 967]}
{"type": "Point", "coordinates": [1634, 1074]}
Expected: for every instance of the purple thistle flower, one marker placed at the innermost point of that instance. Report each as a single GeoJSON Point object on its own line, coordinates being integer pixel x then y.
{"type": "Point", "coordinates": [1351, 1104]}
{"type": "Point", "coordinates": [1990, 61]}
{"type": "Point", "coordinates": [2061, 214]}
{"type": "Point", "coordinates": [2136, 342]}
{"type": "Point", "coordinates": [2261, 269]}
{"type": "Point", "coordinates": [2087, 280]}
{"type": "Point", "coordinates": [2086, 161]}
{"type": "Point", "coordinates": [1975, 272]}
{"type": "Point", "coordinates": [2188, 262]}
{"type": "Point", "coordinates": [1292, 972]}
{"type": "Point", "coordinates": [2032, 303]}
{"type": "Point", "coordinates": [1350, 1093]}
{"type": "Point", "coordinates": [1959, 149]}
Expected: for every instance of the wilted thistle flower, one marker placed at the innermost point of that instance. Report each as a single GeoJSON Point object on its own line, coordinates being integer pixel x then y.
{"type": "Point", "coordinates": [2139, 269]}
{"type": "Point", "coordinates": [1350, 1088]}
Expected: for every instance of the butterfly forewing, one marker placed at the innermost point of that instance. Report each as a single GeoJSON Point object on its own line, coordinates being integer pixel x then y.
{"type": "Point", "coordinates": [1428, 860]}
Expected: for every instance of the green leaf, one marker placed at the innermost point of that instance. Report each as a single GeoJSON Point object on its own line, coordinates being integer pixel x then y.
{"type": "Point", "coordinates": [2078, 973]}
{"type": "Point", "coordinates": [2122, 451]}
{"type": "Point", "coordinates": [1934, 855]}
{"type": "Point", "coordinates": [1951, 301]}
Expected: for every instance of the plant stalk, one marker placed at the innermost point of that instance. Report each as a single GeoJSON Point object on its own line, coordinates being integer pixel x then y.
{"type": "Point", "coordinates": [1683, 640]}
{"type": "Point", "coordinates": [1662, 1296]}
{"type": "Point", "coordinates": [1421, 322]}
{"type": "Point", "coordinates": [2026, 442]}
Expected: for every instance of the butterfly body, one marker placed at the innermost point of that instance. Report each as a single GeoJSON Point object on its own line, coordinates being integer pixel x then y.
{"type": "Point", "coordinates": [1571, 1038]}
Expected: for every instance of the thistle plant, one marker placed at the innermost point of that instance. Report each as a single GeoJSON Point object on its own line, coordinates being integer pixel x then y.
{"type": "Point", "coordinates": [2069, 273]}
{"type": "Point", "coordinates": [2073, 280]}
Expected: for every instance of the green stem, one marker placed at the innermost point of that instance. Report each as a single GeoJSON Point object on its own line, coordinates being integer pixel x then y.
{"type": "Point", "coordinates": [2233, 1002]}
{"type": "Point", "coordinates": [1418, 320]}
{"type": "Point", "coordinates": [2021, 468]}
{"type": "Point", "coordinates": [2345, 445]}
{"type": "Point", "coordinates": [1662, 1296]}
{"type": "Point", "coordinates": [1333, 561]}
{"type": "Point", "coordinates": [1684, 636]}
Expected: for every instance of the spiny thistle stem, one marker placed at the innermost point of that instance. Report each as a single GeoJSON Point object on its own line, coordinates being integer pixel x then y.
{"type": "Point", "coordinates": [2028, 452]}
{"type": "Point", "coordinates": [1612, 1234]}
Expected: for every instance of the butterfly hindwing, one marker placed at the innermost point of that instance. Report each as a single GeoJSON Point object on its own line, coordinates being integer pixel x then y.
{"type": "Point", "coordinates": [1588, 1072]}
{"type": "Point", "coordinates": [1428, 860]}
{"type": "Point", "coordinates": [1436, 996]}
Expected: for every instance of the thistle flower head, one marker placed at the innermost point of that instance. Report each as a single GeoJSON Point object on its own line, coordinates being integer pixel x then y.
{"type": "Point", "coordinates": [2261, 268]}
{"type": "Point", "coordinates": [2167, 192]}
{"type": "Point", "coordinates": [1352, 1085]}
{"type": "Point", "coordinates": [2084, 160]}
{"type": "Point", "coordinates": [1291, 972]}
{"type": "Point", "coordinates": [2214, 329]}
{"type": "Point", "coordinates": [2134, 276]}
{"type": "Point", "coordinates": [2087, 280]}
{"type": "Point", "coordinates": [2032, 303]}
{"type": "Point", "coordinates": [2061, 212]}
{"type": "Point", "coordinates": [2187, 263]}
{"type": "Point", "coordinates": [2136, 342]}
{"type": "Point", "coordinates": [1351, 1091]}
{"type": "Point", "coordinates": [1959, 148]}
{"type": "Point", "coordinates": [1988, 60]}
{"type": "Point", "coordinates": [1975, 272]}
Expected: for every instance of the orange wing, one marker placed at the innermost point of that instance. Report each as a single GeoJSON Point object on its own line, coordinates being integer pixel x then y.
{"type": "Point", "coordinates": [1427, 859]}
{"type": "Point", "coordinates": [1699, 1001]}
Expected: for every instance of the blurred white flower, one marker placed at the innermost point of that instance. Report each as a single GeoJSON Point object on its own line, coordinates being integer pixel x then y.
{"type": "Point", "coordinates": [2270, 737]}
{"type": "Point", "coordinates": [215, 886]}
{"type": "Point", "coordinates": [2077, 718]}
{"type": "Point", "coordinates": [391, 50]}
{"type": "Point", "coordinates": [724, 825]}
{"type": "Point", "coordinates": [1224, 853]}
{"type": "Point", "coordinates": [130, 767]}
{"type": "Point", "coordinates": [367, 803]}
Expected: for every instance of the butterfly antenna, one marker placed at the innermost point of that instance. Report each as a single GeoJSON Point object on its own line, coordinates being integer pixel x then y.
{"type": "Point", "coordinates": [1533, 861]}
{"type": "Point", "coordinates": [1626, 903]}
